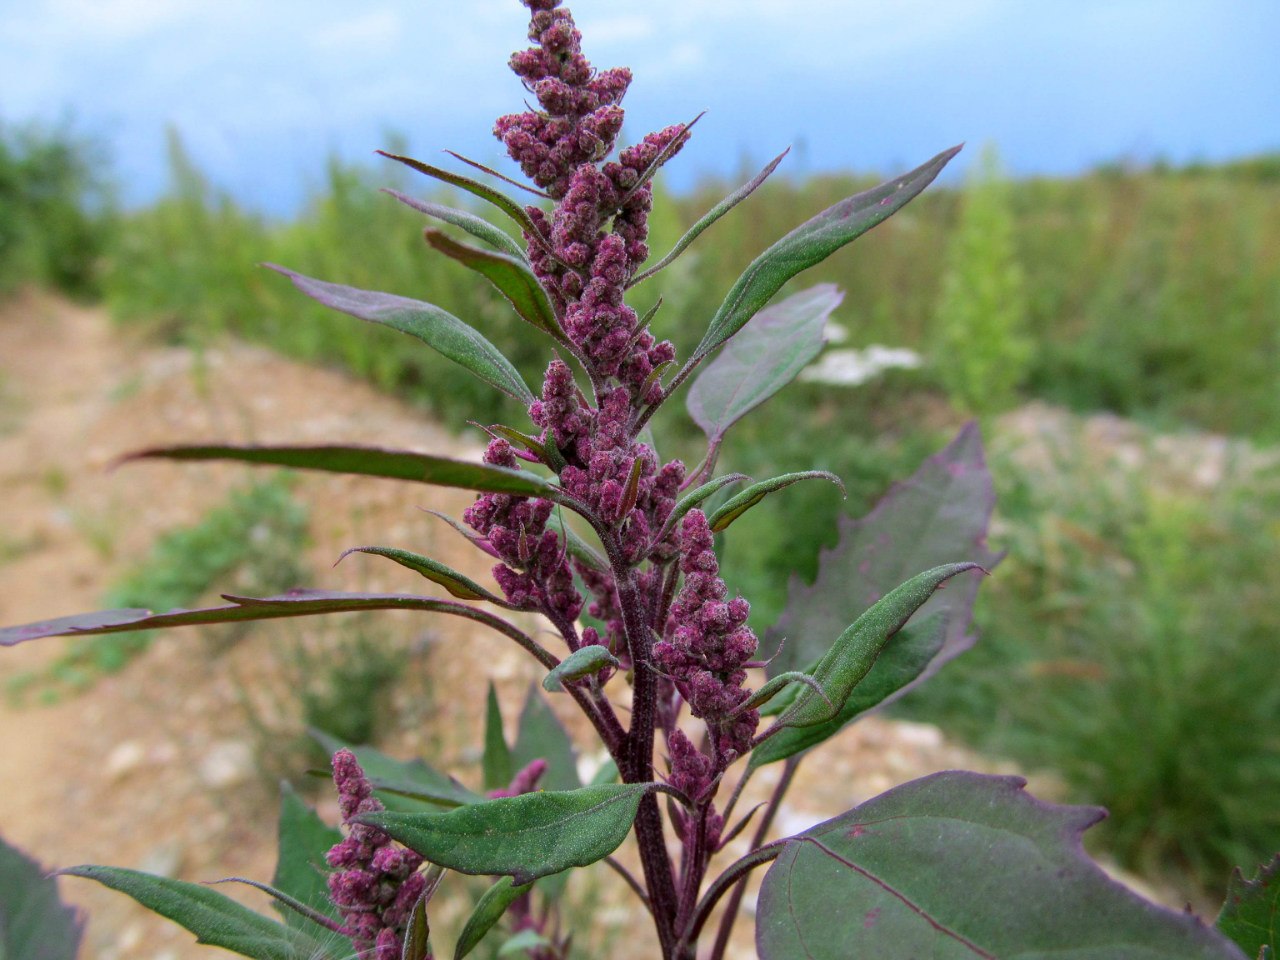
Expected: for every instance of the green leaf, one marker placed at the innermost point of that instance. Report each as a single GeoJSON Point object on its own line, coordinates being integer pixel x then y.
{"type": "Point", "coordinates": [478, 227]}
{"type": "Point", "coordinates": [496, 197]}
{"type": "Point", "coordinates": [695, 498]}
{"type": "Point", "coordinates": [301, 871]}
{"type": "Point", "coordinates": [417, 934]}
{"type": "Point", "coordinates": [496, 761]}
{"type": "Point", "coordinates": [581, 663]}
{"type": "Point", "coordinates": [514, 279]}
{"type": "Point", "coordinates": [939, 515]}
{"type": "Point", "coordinates": [369, 462]}
{"type": "Point", "coordinates": [958, 866]}
{"type": "Point", "coordinates": [404, 785]}
{"type": "Point", "coordinates": [541, 736]}
{"type": "Point", "coordinates": [767, 354]}
{"type": "Point", "coordinates": [525, 940]}
{"type": "Point", "coordinates": [809, 244]}
{"type": "Point", "coordinates": [488, 911]}
{"type": "Point", "coordinates": [1251, 913]}
{"type": "Point", "coordinates": [526, 837]}
{"type": "Point", "coordinates": [34, 922]}
{"type": "Point", "coordinates": [462, 587]}
{"type": "Point", "coordinates": [437, 328]}
{"type": "Point", "coordinates": [215, 919]}
{"type": "Point", "coordinates": [710, 217]}
{"type": "Point", "coordinates": [854, 653]}
{"type": "Point", "coordinates": [739, 504]}
{"type": "Point", "coordinates": [900, 663]}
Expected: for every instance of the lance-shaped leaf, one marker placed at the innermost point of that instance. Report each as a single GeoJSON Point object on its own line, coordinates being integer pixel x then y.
{"type": "Point", "coordinates": [513, 278]}
{"type": "Point", "coordinates": [488, 911]}
{"type": "Point", "coordinates": [34, 922]}
{"type": "Point", "coordinates": [417, 935]}
{"type": "Point", "coordinates": [368, 462]}
{"type": "Point", "coordinates": [296, 603]}
{"type": "Point", "coordinates": [740, 503]}
{"type": "Point", "coordinates": [437, 328]}
{"type": "Point", "coordinates": [495, 763]}
{"type": "Point", "coordinates": [900, 663]}
{"type": "Point", "coordinates": [710, 217]}
{"type": "Point", "coordinates": [939, 515]}
{"type": "Point", "coordinates": [525, 837]}
{"type": "Point", "coordinates": [496, 197]}
{"type": "Point", "coordinates": [403, 785]}
{"type": "Point", "coordinates": [962, 866]}
{"type": "Point", "coordinates": [301, 871]}
{"type": "Point", "coordinates": [809, 244]}
{"type": "Point", "coordinates": [856, 649]}
{"type": "Point", "coordinates": [462, 587]}
{"type": "Point", "coordinates": [1251, 913]}
{"type": "Point", "coordinates": [581, 663]}
{"type": "Point", "coordinates": [215, 919]}
{"type": "Point", "coordinates": [540, 736]}
{"type": "Point", "coordinates": [478, 227]}
{"type": "Point", "coordinates": [695, 498]}
{"type": "Point", "coordinates": [767, 354]}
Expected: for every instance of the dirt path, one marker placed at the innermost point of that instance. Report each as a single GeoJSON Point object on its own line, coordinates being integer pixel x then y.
{"type": "Point", "coordinates": [157, 767]}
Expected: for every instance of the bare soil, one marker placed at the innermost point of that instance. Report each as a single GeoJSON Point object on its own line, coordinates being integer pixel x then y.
{"type": "Point", "coordinates": [161, 766]}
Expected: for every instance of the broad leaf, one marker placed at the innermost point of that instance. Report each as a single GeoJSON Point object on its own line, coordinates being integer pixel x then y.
{"type": "Point", "coordinates": [581, 663]}
{"type": "Point", "coordinates": [437, 328]}
{"type": "Point", "coordinates": [899, 664]}
{"type": "Point", "coordinates": [525, 837]}
{"type": "Point", "coordinates": [514, 279]}
{"type": "Point", "coordinates": [495, 762]}
{"type": "Point", "coordinates": [767, 354]}
{"type": "Point", "coordinates": [478, 227]}
{"type": "Point", "coordinates": [855, 651]}
{"type": "Point", "coordinates": [488, 911]}
{"type": "Point", "coordinates": [958, 866]}
{"type": "Point", "coordinates": [811, 243]}
{"type": "Point", "coordinates": [740, 503]}
{"type": "Point", "coordinates": [540, 736]}
{"type": "Point", "coordinates": [939, 515]}
{"type": "Point", "coordinates": [34, 922]}
{"type": "Point", "coordinates": [1251, 914]}
{"type": "Point", "coordinates": [295, 603]}
{"type": "Point", "coordinates": [301, 870]}
{"type": "Point", "coordinates": [214, 918]}
{"type": "Point", "coordinates": [404, 785]}
{"type": "Point", "coordinates": [369, 462]}
{"type": "Point", "coordinates": [710, 217]}
{"type": "Point", "coordinates": [461, 586]}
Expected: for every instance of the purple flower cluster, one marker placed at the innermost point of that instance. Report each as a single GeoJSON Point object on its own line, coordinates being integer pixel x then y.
{"type": "Point", "coordinates": [375, 883]}
{"type": "Point", "coordinates": [707, 644]}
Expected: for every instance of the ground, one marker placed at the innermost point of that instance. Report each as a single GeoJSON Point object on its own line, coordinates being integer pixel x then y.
{"type": "Point", "coordinates": [161, 766]}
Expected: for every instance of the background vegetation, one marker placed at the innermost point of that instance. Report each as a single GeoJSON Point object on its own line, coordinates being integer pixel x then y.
{"type": "Point", "coordinates": [1131, 635]}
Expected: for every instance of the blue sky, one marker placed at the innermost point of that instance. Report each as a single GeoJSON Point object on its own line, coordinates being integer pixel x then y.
{"type": "Point", "coordinates": [262, 90]}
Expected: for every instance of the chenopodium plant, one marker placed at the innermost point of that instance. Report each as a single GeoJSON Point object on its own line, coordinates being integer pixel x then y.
{"type": "Point", "coordinates": [616, 549]}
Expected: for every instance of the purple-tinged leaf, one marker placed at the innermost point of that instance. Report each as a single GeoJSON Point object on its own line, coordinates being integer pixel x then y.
{"type": "Point", "coordinates": [301, 870]}
{"type": "Point", "coordinates": [215, 919]}
{"type": "Point", "coordinates": [460, 586]}
{"type": "Point", "coordinates": [513, 278]}
{"type": "Point", "coordinates": [488, 911]}
{"type": "Point", "coordinates": [526, 837]}
{"type": "Point", "coordinates": [962, 866]}
{"type": "Point", "coordinates": [767, 354]}
{"type": "Point", "coordinates": [583, 662]}
{"type": "Point", "coordinates": [478, 227]}
{"type": "Point", "coordinates": [854, 652]}
{"type": "Point", "coordinates": [899, 664]}
{"type": "Point", "coordinates": [500, 176]}
{"type": "Point", "coordinates": [369, 462]}
{"type": "Point", "coordinates": [403, 785]}
{"type": "Point", "coordinates": [437, 328]}
{"type": "Point", "coordinates": [34, 922]}
{"type": "Point", "coordinates": [810, 244]}
{"type": "Point", "coordinates": [939, 515]}
{"type": "Point", "coordinates": [496, 197]}
{"type": "Point", "coordinates": [417, 934]}
{"type": "Point", "coordinates": [710, 217]}
{"type": "Point", "coordinates": [740, 503]}
{"type": "Point", "coordinates": [496, 764]}
{"type": "Point", "coordinates": [1251, 913]}
{"type": "Point", "coordinates": [540, 736]}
